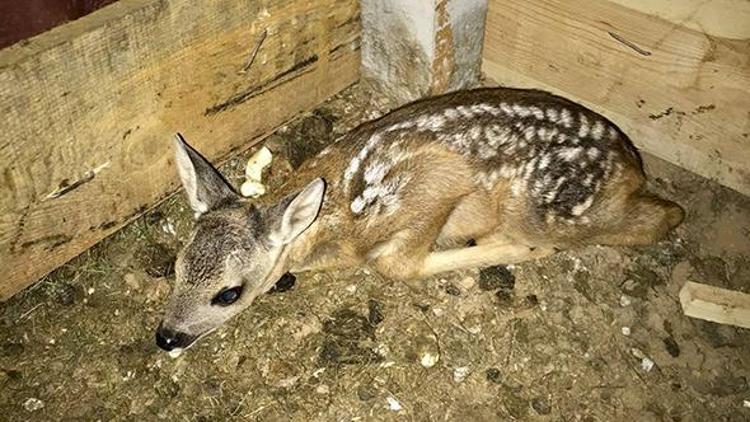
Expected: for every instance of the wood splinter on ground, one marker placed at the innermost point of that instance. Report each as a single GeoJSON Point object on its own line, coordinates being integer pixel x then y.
{"type": "Point", "coordinates": [715, 304]}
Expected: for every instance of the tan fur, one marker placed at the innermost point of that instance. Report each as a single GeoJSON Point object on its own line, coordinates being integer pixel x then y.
{"type": "Point", "coordinates": [441, 208]}
{"type": "Point", "coordinates": [521, 173]}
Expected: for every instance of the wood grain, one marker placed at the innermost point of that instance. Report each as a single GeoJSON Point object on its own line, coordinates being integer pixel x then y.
{"type": "Point", "coordinates": [715, 304]}
{"type": "Point", "coordinates": [90, 107]}
{"type": "Point", "coordinates": [675, 77]}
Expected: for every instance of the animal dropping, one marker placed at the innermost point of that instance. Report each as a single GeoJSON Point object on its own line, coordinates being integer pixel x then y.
{"type": "Point", "coordinates": [476, 178]}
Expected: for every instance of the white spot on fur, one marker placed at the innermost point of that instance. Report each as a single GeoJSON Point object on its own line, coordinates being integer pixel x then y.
{"type": "Point", "coordinates": [570, 154]}
{"type": "Point", "coordinates": [486, 152]}
{"type": "Point", "coordinates": [566, 118]}
{"type": "Point", "coordinates": [353, 167]}
{"type": "Point", "coordinates": [593, 153]}
{"type": "Point", "coordinates": [474, 132]}
{"type": "Point", "coordinates": [486, 108]}
{"type": "Point", "coordinates": [544, 162]}
{"type": "Point", "coordinates": [542, 133]}
{"type": "Point", "coordinates": [358, 205]}
{"type": "Point", "coordinates": [521, 111]}
{"type": "Point", "coordinates": [612, 133]}
{"type": "Point", "coordinates": [400, 126]}
{"type": "Point", "coordinates": [553, 115]}
{"type": "Point", "coordinates": [598, 130]}
{"type": "Point", "coordinates": [583, 206]}
{"type": "Point", "coordinates": [495, 136]}
{"type": "Point", "coordinates": [552, 193]}
{"type": "Point", "coordinates": [464, 111]}
{"type": "Point", "coordinates": [529, 133]}
{"type": "Point", "coordinates": [537, 112]}
{"type": "Point", "coordinates": [450, 113]}
{"type": "Point", "coordinates": [584, 129]}
{"type": "Point", "coordinates": [376, 172]}
{"type": "Point", "coordinates": [507, 109]}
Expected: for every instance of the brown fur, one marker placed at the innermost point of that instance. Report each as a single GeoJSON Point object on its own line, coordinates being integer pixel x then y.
{"type": "Point", "coordinates": [523, 173]}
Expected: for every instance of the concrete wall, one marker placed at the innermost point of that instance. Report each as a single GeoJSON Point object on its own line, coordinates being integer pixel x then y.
{"type": "Point", "coordinates": [422, 47]}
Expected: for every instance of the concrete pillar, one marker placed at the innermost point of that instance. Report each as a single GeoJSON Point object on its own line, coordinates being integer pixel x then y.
{"type": "Point", "coordinates": [415, 48]}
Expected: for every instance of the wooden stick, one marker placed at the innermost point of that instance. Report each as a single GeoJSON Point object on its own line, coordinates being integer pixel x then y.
{"type": "Point", "coordinates": [715, 304]}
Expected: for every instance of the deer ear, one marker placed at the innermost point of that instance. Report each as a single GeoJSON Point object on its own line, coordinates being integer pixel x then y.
{"type": "Point", "coordinates": [204, 185]}
{"type": "Point", "coordinates": [294, 214]}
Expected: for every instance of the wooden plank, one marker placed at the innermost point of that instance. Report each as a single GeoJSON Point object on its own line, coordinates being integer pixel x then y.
{"type": "Point", "coordinates": [715, 304]}
{"type": "Point", "coordinates": [90, 107]}
{"type": "Point", "coordinates": [674, 75]}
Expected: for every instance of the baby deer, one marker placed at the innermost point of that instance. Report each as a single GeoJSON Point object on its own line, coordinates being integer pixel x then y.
{"type": "Point", "coordinates": [521, 173]}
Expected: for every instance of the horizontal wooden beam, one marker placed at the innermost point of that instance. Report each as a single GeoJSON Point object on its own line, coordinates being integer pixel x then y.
{"type": "Point", "coordinates": [89, 109]}
{"type": "Point", "coordinates": [675, 77]}
{"type": "Point", "coordinates": [715, 304]}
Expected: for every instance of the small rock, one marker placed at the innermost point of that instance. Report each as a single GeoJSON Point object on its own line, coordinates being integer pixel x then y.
{"type": "Point", "coordinates": [625, 300]}
{"type": "Point", "coordinates": [33, 404]}
{"type": "Point", "coordinates": [629, 285]}
{"type": "Point", "coordinates": [746, 403]}
{"type": "Point", "coordinates": [647, 364]}
{"type": "Point", "coordinates": [66, 294]}
{"type": "Point", "coordinates": [625, 331]}
{"type": "Point", "coordinates": [496, 277]}
{"type": "Point", "coordinates": [672, 347]}
{"type": "Point", "coordinates": [540, 406]}
{"type": "Point", "coordinates": [467, 283]}
{"type": "Point", "coordinates": [452, 290]}
{"type": "Point", "coordinates": [366, 392]}
{"type": "Point", "coordinates": [287, 382]}
{"type": "Point", "coordinates": [132, 282]}
{"type": "Point", "coordinates": [322, 389]}
{"type": "Point", "coordinates": [393, 404]}
{"type": "Point", "coordinates": [460, 373]}
{"type": "Point", "coordinates": [157, 289]}
{"type": "Point", "coordinates": [375, 312]}
{"type": "Point", "coordinates": [428, 360]}
{"type": "Point", "coordinates": [493, 375]}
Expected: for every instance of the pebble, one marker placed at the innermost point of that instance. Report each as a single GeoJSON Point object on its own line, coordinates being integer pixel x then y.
{"type": "Point", "coordinates": [393, 404]}
{"type": "Point", "coordinates": [32, 404]}
{"type": "Point", "coordinates": [625, 331]}
{"type": "Point", "coordinates": [746, 403]}
{"type": "Point", "coordinates": [540, 406]}
{"type": "Point", "coordinates": [647, 364]}
{"type": "Point", "coordinates": [460, 373]}
{"type": "Point", "coordinates": [467, 283]}
{"type": "Point", "coordinates": [428, 360]}
{"type": "Point", "coordinates": [322, 389]}
{"type": "Point", "coordinates": [132, 282]}
{"type": "Point", "coordinates": [625, 300]}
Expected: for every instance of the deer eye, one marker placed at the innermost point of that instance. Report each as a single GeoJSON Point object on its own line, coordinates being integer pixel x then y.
{"type": "Point", "coordinates": [227, 297]}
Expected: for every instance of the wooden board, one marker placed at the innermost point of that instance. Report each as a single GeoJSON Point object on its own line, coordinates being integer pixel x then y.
{"type": "Point", "coordinates": [675, 75]}
{"type": "Point", "coordinates": [89, 109]}
{"type": "Point", "coordinates": [715, 304]}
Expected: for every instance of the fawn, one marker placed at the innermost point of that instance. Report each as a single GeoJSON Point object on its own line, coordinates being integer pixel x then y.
{"type": "Point", "coordinates": [521, 173]}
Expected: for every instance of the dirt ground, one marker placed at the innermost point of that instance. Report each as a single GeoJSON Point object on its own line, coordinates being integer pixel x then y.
{"type": "Point", "coordinates": [595, 334]}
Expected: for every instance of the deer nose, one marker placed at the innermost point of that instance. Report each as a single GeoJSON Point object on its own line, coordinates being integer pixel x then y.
{"type": "Point", "coordinates": [169, 340]}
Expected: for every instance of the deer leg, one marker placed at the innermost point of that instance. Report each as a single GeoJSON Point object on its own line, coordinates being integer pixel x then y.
{"type": "Point", "coordinates": [480, 256]}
